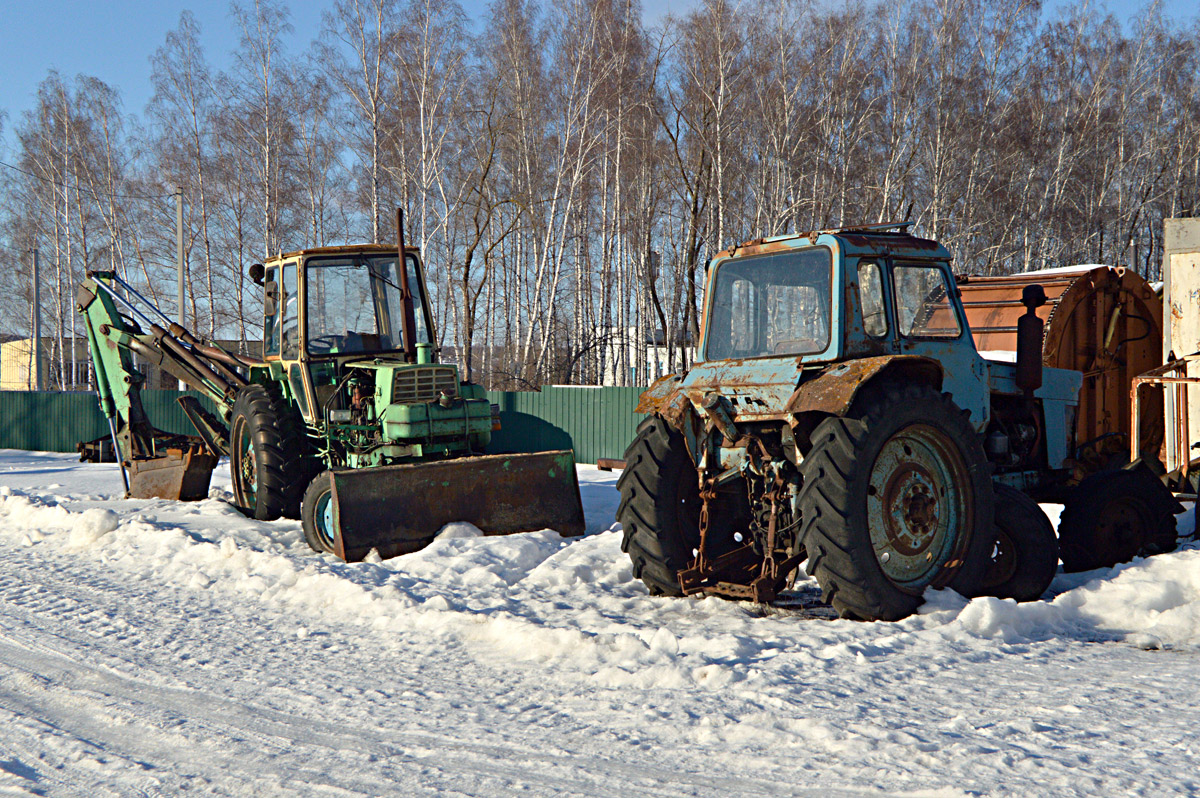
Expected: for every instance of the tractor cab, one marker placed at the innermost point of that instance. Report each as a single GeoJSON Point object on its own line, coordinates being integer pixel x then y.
{"type": "Point", "coordinates": [339, 301]}
{"type": "Point", "coordinates": [349, 335]}
{"type": "Point", "coordinates": [804, 321]}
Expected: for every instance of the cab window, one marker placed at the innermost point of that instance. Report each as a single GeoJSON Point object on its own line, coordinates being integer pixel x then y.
{"type": "Point", "coordinates": [774, 304]}
{"type": "Point", "coordinates": [923, 308]}
{"type": "Point", "coordinates": [870, 298]}
{"type": "Point", "coordinates": [289, 315]}
{"type": "Point", "coordinates": [271, 312]}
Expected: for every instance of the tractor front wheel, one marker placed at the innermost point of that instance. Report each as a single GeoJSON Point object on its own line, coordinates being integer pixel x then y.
{"type": "Point", "coordinates": [317, 514]}
{"type": "Point", "coordinates": [1024, 551]}
{"type": "Point", "coordinates": [660, 506]}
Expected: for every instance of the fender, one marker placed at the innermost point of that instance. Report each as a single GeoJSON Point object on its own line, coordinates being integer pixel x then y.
{"type": "Point", "coordinates": [833, 390]}
{"type": "Point", "coordinates": [659, 394]}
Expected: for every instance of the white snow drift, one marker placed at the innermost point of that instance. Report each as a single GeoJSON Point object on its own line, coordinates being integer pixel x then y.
{"type": "Point", "coordinates": [533, 663]}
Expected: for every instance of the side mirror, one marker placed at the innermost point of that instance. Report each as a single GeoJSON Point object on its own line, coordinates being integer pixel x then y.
{"type": "Point", "coordinates": [256, 273]}
{"type": "Point", "coordinates": [1030, 334]}
{"type": "Point", "coordinates": [270, 298]}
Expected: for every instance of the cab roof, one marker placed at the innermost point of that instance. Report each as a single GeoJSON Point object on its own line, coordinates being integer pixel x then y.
{"type": "Point", "coordinates": [891, 239]}
{"type": "Point", "coordinates": [351, 249]}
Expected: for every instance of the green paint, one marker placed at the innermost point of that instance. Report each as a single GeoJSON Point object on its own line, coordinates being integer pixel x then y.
{"type": "Point", "coordinates": [595, 422]}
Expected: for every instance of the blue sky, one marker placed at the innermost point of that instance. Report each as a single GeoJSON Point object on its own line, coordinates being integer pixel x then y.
{"type": "Point", "coordinates": [113, 39]}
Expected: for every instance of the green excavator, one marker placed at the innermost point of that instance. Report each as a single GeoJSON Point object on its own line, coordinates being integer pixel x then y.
{"type": "Point", "coordinates": [347, 421]}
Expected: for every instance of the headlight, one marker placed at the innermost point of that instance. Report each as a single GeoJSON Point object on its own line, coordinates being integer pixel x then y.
{"type": "Point", "coordinates": [340, 416]}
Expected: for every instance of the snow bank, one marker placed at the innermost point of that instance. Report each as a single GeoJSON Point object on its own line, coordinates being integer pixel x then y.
{"type": "Point", "coordinates": [1151, 603]}
{"type": "Point", "coordinates": [33, 519]}
{"type": "Point", "coordinates": [219, 647]}
{"type": "Point", "coordinates": [573, 606]}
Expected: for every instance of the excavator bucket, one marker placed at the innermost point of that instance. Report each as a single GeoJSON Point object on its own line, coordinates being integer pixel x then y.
{"type": "Point", "coordinates": [180, 472]}
{"type": "Point", "coordinates": [399, 509]}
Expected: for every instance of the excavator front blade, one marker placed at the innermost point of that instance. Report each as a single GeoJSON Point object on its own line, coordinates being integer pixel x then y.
{"type": "Point", "coordinates": [400, 508]}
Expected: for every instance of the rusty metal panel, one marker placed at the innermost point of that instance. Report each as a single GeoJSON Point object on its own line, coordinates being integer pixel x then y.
{"type": "Point", "coordinates": [834, 390]}
{"type": "Point", "coordinates": [180, 474]}
{"type": "Point", "coordinates": [399, 509]}
{"type": "Point", "coordinates": [1104, 322]}
{"type": "Point", "coordinates": [756, 387]}
{"type": "Point", "coordinates": [656, 396]}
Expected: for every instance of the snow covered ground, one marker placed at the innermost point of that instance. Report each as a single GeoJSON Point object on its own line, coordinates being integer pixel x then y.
{"type": "Point", "coordinates": [153, 648]}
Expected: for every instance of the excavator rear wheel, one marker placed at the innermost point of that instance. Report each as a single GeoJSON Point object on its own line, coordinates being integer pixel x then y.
{"type": "Point", "coordinates": [268, 459]}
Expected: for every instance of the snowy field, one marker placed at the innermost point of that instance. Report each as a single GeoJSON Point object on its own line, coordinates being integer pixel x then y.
{"type": "Point", "coordinates": [159, 648]}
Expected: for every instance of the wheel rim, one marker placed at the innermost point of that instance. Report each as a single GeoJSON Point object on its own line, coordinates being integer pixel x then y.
{"type": "Point", "coordinates": [918, 504]}
{"type": "Point", "coordinates": [323, 520]}
{"type": "Point", "coordinates": [1122, 526]}
{"type": "Point", "coordinates": [244, 465]}
{"type": "Point", "coordinates": [1003, 563]}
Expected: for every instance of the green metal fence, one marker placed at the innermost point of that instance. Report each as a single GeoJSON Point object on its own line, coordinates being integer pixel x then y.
{"type": "Point", "coordinates": [595, 422]}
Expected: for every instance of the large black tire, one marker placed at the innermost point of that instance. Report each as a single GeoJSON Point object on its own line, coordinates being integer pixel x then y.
{"type": "Point", "coordinates": [1024, 551]}
{"type": "Point", "coordinates": [1113, 516]}
{"type": "Point", "coordinates": [660, 506]}
{"type": "Point", "coordinates": [316, 516]}
{"type": "Point", "coordinates": [896, 497]}
{"type": "Point", "coordinates": [269, 457]}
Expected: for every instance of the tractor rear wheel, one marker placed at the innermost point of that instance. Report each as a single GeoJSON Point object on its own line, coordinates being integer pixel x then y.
{"type": "Point", "coordinates": [316, 514]}
{"type": "Point", "coordinates": [660, 506]}
{"type": "Point", "coordinates": [1024, 552]}
{"type": "Point", "coordinates": [268, 456]}
{"type": "Point", "coordinates": [1113, 516]}
{"type": "Point", "coordinates": [896, 497]}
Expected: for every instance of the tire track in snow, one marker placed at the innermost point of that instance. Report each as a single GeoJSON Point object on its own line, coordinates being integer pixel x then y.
{"type": "Point", "coordinates": [162, 720]}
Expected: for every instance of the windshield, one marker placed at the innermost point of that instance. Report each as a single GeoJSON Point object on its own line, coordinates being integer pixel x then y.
{"type": "Point", "coordinates": [775, 304]}
{"type": "Point", "coordinates": [354, 304]}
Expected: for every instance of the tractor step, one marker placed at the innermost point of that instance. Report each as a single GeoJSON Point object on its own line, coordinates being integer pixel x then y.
{"type": "Point", "coordinates": [399, 509]}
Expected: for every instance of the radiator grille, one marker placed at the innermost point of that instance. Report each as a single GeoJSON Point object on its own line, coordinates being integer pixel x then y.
{"type": "Point", "coordinates": [411, 386]}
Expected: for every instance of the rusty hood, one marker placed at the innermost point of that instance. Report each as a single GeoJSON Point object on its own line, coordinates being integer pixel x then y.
{"type": "Point", "coordinates": [770, 388]}
{"type": "Point", "coordinates": [756, 387]}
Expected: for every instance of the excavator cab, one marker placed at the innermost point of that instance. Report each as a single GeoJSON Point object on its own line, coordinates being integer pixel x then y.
{"type": "Point", "coordinates": [334, 303]}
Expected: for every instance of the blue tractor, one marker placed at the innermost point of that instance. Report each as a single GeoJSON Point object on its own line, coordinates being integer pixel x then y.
{"type": "Point", "coordinates": [840, 414]}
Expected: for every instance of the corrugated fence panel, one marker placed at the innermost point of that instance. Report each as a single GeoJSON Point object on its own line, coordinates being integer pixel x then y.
{"type": "Point", "coordinates": [58, 421]}
{"type": "Point", "coordinates": [595, 422]}
{"type": "Point", "coordinates": [50, 422]}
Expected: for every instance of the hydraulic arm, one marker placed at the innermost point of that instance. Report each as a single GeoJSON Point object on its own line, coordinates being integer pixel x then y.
{"type": "Point", "coordinates": [120, 324]}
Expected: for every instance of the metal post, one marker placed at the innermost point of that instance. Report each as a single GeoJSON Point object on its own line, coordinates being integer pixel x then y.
{"type": "Point", "coordinates": [37, 323]}
{"type": "Point", "coordinates": [179, 248]}
{"type": "Point", "coordinates": [179, 259]}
